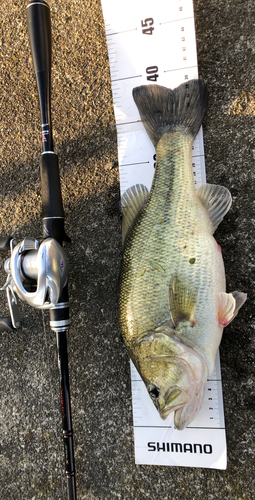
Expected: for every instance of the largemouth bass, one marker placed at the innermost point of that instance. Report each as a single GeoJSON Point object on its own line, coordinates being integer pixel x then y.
{"type": "Point", "coordinates": [173, 303]}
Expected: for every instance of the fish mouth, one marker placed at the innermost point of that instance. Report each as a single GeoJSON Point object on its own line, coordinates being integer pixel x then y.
{"type": "Point", "coordinates": [164, 413]}
{"type": "Point", "coordinates": [175, 399]}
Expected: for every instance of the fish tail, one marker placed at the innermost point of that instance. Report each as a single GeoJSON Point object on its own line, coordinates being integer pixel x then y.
{"type": "Point", "coordinates": [163, 109]}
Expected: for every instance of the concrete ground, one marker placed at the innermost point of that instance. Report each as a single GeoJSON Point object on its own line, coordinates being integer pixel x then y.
{"type": "Point", "coordinates": [31, 463]}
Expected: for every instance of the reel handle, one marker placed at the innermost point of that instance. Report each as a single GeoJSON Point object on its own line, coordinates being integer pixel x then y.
{"type": "Point", "coordinates": [5, 242]}
{"type": "Point", "coordinates": [6, 325]}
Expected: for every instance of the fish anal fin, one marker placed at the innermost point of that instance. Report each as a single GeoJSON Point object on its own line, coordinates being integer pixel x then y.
{"type": "Point", "coordinates": [182, 301]}
{"type": "Point", "coordinates": [229, 305]}
{"type": "Point", "coordinates": [132, 202]}
{"type": "Point", "coordinates": [217, 200]}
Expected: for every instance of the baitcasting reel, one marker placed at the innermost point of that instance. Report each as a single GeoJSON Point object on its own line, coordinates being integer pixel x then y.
{"type": "Point", "coordinates": [35, 273]}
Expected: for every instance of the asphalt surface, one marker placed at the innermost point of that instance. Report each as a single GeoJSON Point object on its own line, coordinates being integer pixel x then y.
{"type": "Point", "coordinates": [31, 460]}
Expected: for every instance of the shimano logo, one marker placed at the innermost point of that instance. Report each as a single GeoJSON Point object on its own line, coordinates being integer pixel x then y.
{"type": "Point", "coordinates": [181, 447]}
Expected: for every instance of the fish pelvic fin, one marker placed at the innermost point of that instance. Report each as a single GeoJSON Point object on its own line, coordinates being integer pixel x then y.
{"type": "Point", "coordinates": [182, 301]}
{"type": "Point", "coordinates": [229, 305]}
{"type": "Point", "coordinates": [163, 109]}
{"type": "Point", "coordinates": [132, 203]}
{"type": "Point", "coordinates": [217, 200]}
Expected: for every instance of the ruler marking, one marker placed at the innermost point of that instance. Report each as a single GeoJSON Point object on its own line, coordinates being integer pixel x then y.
{"type": "Point", "coordinates": [178, 69]}
{"type": "Point", "coordinates": [171, 427]}
{"type": "Point", "coordinates": [177, 20]}
{"type": "Point", "coordinates": [127, 78]}
{"type": "Point", "coordinates": [208, 380]}
{"type": "Point", "coordinates": [126, 123]}
{"type": "Point", "coordinates": [130, 164]}
{"type": "Point", "coordinates": [120, 32]}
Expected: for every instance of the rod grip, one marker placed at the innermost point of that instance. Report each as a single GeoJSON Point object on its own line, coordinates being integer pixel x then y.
{"type": "Point", "coordinates": [52, 205]}
{"type": "Point", "coordinates": [39, 29]}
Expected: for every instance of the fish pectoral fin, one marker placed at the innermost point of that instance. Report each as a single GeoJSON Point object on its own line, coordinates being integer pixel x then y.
{"type": "Point", "coordinates": [132, 202]}
{"type": "Point", "coordinates": [229, 305]}
{"type": "Point", "coordinates": [217, 200]}
{"type": "Point", "coordinates": [182, 301]}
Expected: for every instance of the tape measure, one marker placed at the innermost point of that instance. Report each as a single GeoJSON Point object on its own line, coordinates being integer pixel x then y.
{"type": "Point", "coordinates": [140, 38]}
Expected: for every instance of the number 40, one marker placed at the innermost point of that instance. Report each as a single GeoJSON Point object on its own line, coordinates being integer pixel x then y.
{"type": "Point", "coordinates": [152, 73]}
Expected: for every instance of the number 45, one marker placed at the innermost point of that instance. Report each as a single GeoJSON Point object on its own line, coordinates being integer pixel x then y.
{"type": "Point", "coordinates": [147, 26]}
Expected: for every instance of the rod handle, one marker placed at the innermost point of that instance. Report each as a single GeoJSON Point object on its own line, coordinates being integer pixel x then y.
{"type": "Point", "coordinates": [52, 205]}
{"type": "Point", "coordinates": [39, 30]}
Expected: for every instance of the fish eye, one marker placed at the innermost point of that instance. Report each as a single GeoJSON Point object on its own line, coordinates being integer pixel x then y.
{"type": "Point", "coordinates": [154, 392]}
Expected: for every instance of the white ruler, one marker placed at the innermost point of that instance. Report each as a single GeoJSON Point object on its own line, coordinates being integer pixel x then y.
{"type": "Point", "coordinates": [154, 42]}
{"type": "Point", "coordinates": [201, 444]}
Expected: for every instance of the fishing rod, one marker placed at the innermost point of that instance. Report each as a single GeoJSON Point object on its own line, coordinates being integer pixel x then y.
{"type": "Point", "coordinates": [37, 272]}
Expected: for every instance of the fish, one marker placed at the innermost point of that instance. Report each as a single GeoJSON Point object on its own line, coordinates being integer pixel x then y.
{"type": "Point", "coordinates": [173, 305]}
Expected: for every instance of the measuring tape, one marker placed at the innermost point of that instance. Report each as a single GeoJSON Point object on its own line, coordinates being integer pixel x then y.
{"type": "Point", "coordinates": [140, 38]}
{"type": "Point", "coordinates": [154, 42]}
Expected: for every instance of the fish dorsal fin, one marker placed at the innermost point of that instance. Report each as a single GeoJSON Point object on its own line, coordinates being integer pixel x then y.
{"type": "Point", "coordinates": [182, 301]}
{"type": "Point", "coordinates": [132, 202]}
{"type": "Point", "coordinates": [229, 305]}
{"type": "Point", "coordinates": [217, 200]}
